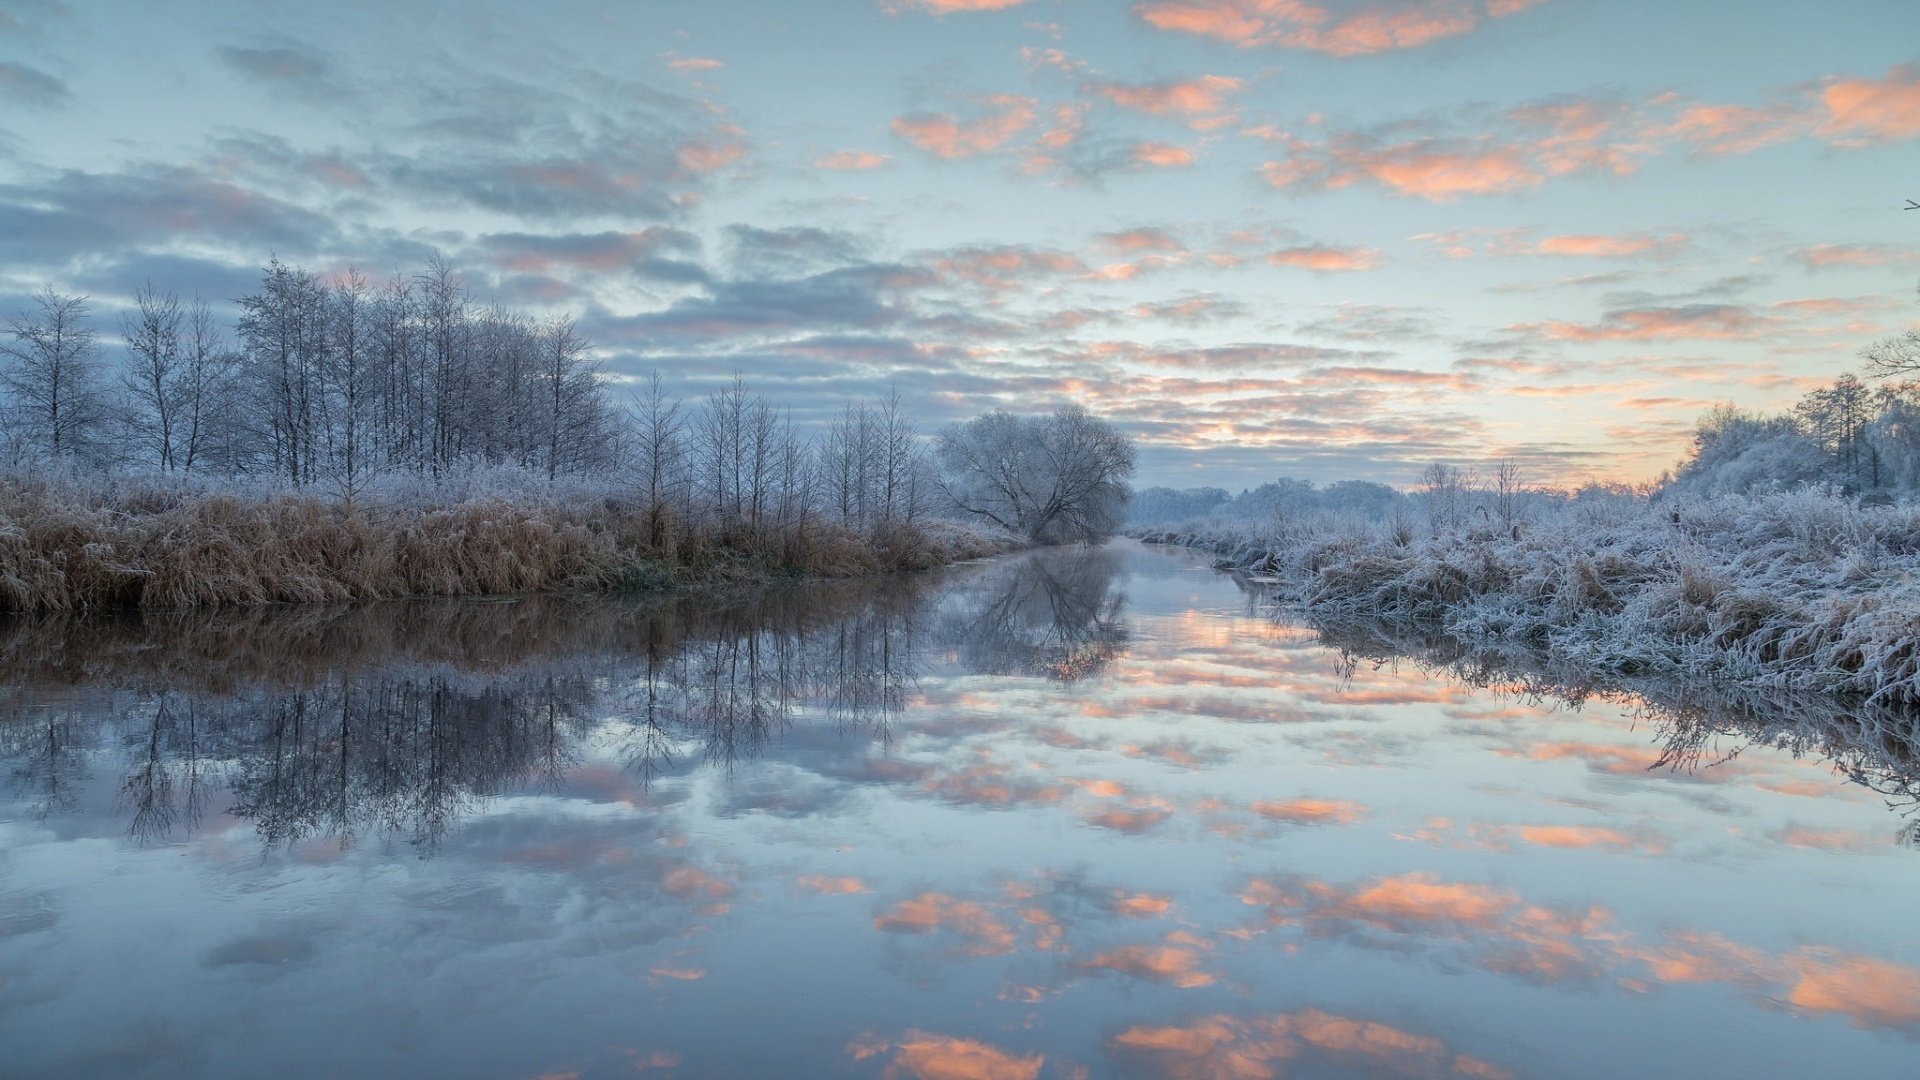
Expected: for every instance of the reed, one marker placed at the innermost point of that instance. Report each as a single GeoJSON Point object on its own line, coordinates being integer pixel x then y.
{"type": "Point", "coordinates": [81, 546]}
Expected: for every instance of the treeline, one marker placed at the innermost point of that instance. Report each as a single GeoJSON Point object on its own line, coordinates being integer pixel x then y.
{"type": "Point", "coordinates": [1285, 496]}
{"type": "Point", "coordinates": [332, 385]}
{"type": "Point", "coordinates": [324, 381]}
{"type": "Point", "coordinates": [1860, 438]}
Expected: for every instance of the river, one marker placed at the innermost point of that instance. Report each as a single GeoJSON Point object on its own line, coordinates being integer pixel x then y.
{"type": "Point", "coordinates": [1066, 814]}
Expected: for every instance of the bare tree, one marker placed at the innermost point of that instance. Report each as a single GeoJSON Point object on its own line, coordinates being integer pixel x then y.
{"type": "Point", "coordinates": [154, 371]}
{"type": "Point", "coordinates": [1509, 494]}
{"type": "Point", "coordinates": [53, 375]}
{"type": "Point", "coordinates": [204, 401]}
{"type": "Point", "coordinates": [1443, 491]}
{"type": "Point", "coordinates": [1054, 479]}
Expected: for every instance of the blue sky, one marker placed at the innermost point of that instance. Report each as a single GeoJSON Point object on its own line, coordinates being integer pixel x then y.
{"type": "Point", "coordinates": [1332, 239]}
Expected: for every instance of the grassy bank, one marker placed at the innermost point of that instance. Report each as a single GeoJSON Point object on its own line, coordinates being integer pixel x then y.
{"type": "Point", "coordinates": [67, 545]}
{"type": "Point", "coordinates": [1798, 591]}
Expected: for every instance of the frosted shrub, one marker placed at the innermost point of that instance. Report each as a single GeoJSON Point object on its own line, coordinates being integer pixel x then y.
{"type": "Point", "coordinates": [1802, 590]}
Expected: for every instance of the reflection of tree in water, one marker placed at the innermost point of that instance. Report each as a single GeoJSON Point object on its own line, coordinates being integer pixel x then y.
{"type": "Point", "coordinates": [397, 719]}
{"type": "Point", "coordinates": [1054, 613]}
{"type": "Point", "coordinates": [1698, 724]}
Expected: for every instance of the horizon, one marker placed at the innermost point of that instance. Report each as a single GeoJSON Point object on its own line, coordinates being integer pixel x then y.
{"type": "Point", "coordinates": [1265, 239]}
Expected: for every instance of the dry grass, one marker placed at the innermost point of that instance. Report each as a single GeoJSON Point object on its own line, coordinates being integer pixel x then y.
{"type": "Point", "coordinates": [70, 547]}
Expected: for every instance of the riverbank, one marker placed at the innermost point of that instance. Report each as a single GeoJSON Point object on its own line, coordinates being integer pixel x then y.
{"type": "Point", "coordinates": [68, 547]}
{"type": "Point", "coordinates": [1796, 591]}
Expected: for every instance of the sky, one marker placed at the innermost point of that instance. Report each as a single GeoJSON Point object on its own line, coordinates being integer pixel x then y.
{"type": "Point", "coordinates": [1335, 239]}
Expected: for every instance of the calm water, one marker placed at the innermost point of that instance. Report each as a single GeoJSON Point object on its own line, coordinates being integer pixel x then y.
{"type": "Point", "coordinates": [1075, 814]}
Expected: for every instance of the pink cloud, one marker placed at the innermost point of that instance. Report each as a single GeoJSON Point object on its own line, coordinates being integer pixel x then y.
{"type": "Point", "coordinates": [923, 1055]}
{"type": "Point", "coordinates": [1831, 256]}
{"type": "Point", "coordinates": [1718, 321]}
{"type": "Point", "coordinates": [1590, 246]}
{"type": "Point", "coordinates": [1297, 24]}
{"type": "Point", "coordinates": [1310, 811]}
{"type": "Point", "coordinates": [950, 137]}
{"type": "Point", "coordinates": [851, 161]}
{"type": "Point", "coordinates": [1733, 129]}
{"type": "Point", "coordinates": [949, 7]}
{"type": "Point", "coordinates": [1200, 99]}
{"type": "Point", "coordinates": [1511, 242]}
{"type": "Point", "coordinates": [1142, 239]}
{"type": "Point", "coordinates": [714, 152]}
{"type": "Point", "coordinates": [1438, 170]}
{"type": "Point", "coordinates": [1162, 155]}
{"type": "Point", "coordinates": [928, 912]}
{"type": "Point", "coordinates": [1873, 110]}
{"type": "Point", "coordinates": [1005, 267]}
{"type": "Point", "coordinates": [1325, 259]}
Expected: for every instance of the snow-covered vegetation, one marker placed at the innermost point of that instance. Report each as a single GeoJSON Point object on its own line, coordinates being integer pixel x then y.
{"type": "Point", "coordinates": [91, 541]}
{"type": "Point", "coordinates": [1784, 552]}
{"type": "Point", "coordinates": [1802, 590]}
{"type": "Point", "coordinates": [358, 441]}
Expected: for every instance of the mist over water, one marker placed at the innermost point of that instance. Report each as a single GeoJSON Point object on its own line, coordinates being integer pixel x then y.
{"type": "Point", "coordinates": [1081, 812]}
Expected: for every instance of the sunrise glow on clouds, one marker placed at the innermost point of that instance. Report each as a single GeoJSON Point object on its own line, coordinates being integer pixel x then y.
{"type": "Point", "coordinates": [1270, 237]}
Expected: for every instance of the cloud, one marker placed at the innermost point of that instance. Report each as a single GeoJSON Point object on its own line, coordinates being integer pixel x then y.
{"type": "Point", "coordinates": [735, 312]}
{"type": "Point", "coordinates": [1162, 155]}
{"type": "Point", "coordinates": [1372, 322]}
{"type": "Point", "coordinates": [1710, 321]}
{"type": "Point", "coordinates": [1355, 30]}
{"type": "Point", "coordinates": [1592, 246]}
{"type": "Point", "coordinates": [1004, 267]}
{"type": "Point", "coordinates": [832, 886]}
{"type": "Point", "coordinates": [1862, 111]}
{"type": "Point", "coordinates": [645, 253]}
{"type": "Point", "coordinates": [1000, 119]}
{"type": "Point", "coordinates": [76, 214]}
{"type": "Point", "coordinates": [1431, 168]}
{"type": "Point", "coordinates": [1832, 256]}
{"type": "Point", "coordinates": [1128, 241]}
{"type": "Point", "coordinates": [277, 67]}
{"type": "Point", "coordinates": [1733, 129]}
{"type": "Point", "coordinates": [30, 86]}
{"type": "Point", "coordinates": [793, 251]}
{"type": "Point", "coordinates": [851, 161]}
{"type": "Point", "coordinates": [1326, 259]}
{"type": "Point", "coordinates": [949, 7]}
{"type": "Point", "coordinates": [693, 63]}
{"type": "Point", "coordinates": [1202, 101]}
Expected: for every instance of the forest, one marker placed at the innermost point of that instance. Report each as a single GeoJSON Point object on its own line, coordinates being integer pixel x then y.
{"type": "Point", "coordinates": [354, 440]}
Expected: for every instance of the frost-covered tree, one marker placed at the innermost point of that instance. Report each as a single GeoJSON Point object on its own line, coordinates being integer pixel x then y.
{"type": "Point", "coordinates": [52, 373]}
{"type": "Point", "coordinates": [1060, 478]}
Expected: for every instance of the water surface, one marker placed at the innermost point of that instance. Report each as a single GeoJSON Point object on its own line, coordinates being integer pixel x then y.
{"type": "Point", "coordinates": [1083, 813]}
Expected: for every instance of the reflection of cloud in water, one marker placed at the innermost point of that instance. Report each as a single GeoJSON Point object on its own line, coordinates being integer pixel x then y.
{"type": "Point", "coordinates": [1266, 1047]}
{"type": "Point", "coordinates": [923, 1055]}
{"type": "Point", "coordinates": [1498, 931]}
{"type": "Point", "coordinates": [1442, 832]}
{"type": "Point", "coordinates": [981, 933]}
{"type": "Point", "coordinates": [1306, 811]}
{"type": "Point", "coordinates": [1176, 961]}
